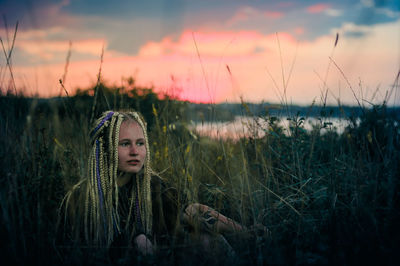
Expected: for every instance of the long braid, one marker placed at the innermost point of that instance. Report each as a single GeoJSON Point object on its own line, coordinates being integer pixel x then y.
{"type": "Point", "coordinates": [114, 160]}
{"type": "Point", "coordinates": [111, 147]}
{"type": "Point", "coordinates": [109, 177]}
{"type": "Point", "coordinates": [145, 195]}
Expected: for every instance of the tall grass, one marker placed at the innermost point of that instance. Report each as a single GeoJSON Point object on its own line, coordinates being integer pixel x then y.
{"type": "Point", "coordinates": [326, 198]}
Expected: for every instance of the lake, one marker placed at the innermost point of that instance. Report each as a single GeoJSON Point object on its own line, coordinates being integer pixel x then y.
{"type": "Point", "coordinates": [255, 126]}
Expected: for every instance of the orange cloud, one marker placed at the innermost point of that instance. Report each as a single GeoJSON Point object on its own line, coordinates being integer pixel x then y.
{"type": "Point", "coordinates": [318, 8]}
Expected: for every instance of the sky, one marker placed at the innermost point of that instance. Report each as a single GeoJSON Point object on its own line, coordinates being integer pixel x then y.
{"type": "Point", "coordinates": [298, 52]}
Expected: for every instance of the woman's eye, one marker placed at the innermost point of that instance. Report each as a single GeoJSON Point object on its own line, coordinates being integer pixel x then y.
{"type": "Point", "coordinates": [140, 143]}
{"type": "Point", "coordinates": [124, 144]}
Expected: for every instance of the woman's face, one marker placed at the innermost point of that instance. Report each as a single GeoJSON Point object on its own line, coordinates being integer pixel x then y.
{"type": "Point", "coordinates": [131, 147]}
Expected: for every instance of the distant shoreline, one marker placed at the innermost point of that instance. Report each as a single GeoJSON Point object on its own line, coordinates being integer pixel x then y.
{"type": "Point", "coordinates": [226, 112]}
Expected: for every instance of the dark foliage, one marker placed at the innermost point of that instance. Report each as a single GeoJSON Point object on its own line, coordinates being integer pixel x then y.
{"type": "Point", "coordinates": [327, 198]}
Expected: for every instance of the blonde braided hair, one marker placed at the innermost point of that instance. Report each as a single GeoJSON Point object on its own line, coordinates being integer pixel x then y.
{"type": "Point", "coordinates": [101, 215]}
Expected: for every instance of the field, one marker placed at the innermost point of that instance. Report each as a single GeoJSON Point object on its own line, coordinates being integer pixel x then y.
{"type": "Point", "coordinates": [325, 197]}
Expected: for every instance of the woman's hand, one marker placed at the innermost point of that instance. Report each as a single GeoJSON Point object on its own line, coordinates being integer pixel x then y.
{"type": "Point", "coordinates": [210, 220]}
{"type": "Point", "coordinates": [143, 245]}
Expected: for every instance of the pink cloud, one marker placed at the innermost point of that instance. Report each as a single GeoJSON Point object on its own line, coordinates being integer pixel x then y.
{"type": "Point", "coordinates": [318, 8]}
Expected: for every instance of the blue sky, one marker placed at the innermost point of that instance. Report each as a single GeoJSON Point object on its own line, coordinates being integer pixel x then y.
{"type": "Point", "coordinates": [132, 29]}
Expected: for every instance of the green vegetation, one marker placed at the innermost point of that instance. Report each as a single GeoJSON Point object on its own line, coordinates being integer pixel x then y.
{"type": "Point", "coordinates": [326, 198]}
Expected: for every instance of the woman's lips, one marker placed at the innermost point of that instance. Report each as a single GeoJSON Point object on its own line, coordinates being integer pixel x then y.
{"type": "Point", "coordinates": [133, 162]}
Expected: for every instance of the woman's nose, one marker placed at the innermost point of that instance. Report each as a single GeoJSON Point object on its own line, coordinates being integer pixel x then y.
{"type": "Point", "coordinates": [133, 150]}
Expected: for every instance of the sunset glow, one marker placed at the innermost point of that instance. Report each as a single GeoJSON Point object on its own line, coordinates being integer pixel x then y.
{"type": "Point", "coordinates": [208, 60]}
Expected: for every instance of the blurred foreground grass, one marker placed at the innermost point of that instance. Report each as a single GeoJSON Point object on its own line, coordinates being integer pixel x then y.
{"type": "Point", "coordinates": [327, 198]}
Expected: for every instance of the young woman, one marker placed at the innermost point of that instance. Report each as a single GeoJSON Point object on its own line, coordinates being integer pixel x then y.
{"type": "Point", "coordinates": [123, 203]}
